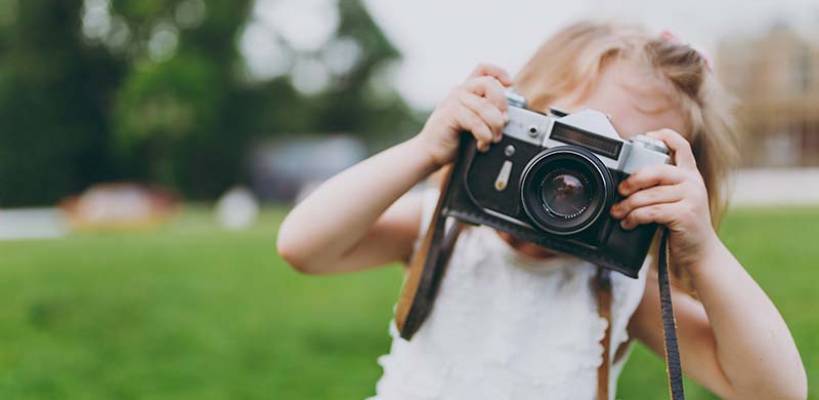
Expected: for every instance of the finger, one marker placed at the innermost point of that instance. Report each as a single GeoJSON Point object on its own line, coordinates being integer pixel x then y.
{"type": "Point", "coordinates": [654, 214]}
{"type": "Point", "coordinates": [651, 176]}
{"type": "Point", "coordinates": [656, 195]}
{"type": "Point", "coordinates": [679, 146]}
{"type": "Point", "coordinates": [493, 71]}
{"type": "Point", "coordinates": [487, 112]}
{"type": "Point", "coordinates": [472, 123]}
{"type": "Point", "coordinates": [490, 89]}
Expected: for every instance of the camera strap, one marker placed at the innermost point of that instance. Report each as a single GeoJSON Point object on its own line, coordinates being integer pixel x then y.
{"type": "Point", "coordinates": [672, 351]}
{"type": "Point", "coordinates": [602, 286]}
{"type": "Point", "coordinates": [427, 267]}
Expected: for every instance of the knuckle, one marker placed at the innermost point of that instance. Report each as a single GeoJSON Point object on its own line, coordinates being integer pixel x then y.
{"type": "Point", "coordinates": [487, 83]}
{"type": "Point", "coordinates": [495, 111]}
{"type": "Point", "coordinates": [494, 90]}
{"type": "Point", "coordinates": [475, 123]}
{"type": "Point", "coordinates": [626, 184]}
{"type": "Point", "coordinates": [637, 216]}
{"type": "Point", "coordinates": [632, 200]}
{"type": "Point", "coordinates": [484, 105]}
{"type": "Point", "coordinates": [499, 96]}
{"type": "Point", "coordinates": [642, 178]}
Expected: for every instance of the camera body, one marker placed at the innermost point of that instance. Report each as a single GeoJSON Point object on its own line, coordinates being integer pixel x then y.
{"type": "Point", "coordinates": [551, 180]}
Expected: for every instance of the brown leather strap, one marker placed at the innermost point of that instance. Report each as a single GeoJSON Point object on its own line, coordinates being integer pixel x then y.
{"type": "Point", "coordinates": [602, 287]}
{"type": "Point", "coordinates": [426, 268]}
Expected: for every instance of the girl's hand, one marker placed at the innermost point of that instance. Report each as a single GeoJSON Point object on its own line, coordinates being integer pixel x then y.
{"type": "Point", "coordinates": [671, 195]}
{"type": "Point", "coordinates": [477, 106]}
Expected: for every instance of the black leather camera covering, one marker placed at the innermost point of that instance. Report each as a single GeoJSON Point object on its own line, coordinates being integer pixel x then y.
{"type": "Point", "coordinates": [472, 189]}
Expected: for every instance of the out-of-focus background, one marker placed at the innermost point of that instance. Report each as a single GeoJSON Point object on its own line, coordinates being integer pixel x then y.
{"type": "Point", "coordinates": [149, 149]}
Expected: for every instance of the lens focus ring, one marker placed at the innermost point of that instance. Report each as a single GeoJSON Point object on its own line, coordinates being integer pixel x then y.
{"type": "Point", "coordinates": [565, 189]}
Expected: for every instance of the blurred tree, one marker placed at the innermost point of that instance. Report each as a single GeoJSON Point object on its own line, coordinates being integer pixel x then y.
{"type": "Point", "coordinates": [55, 97]}
{"type": "Point", "coordinates": [171, 124]}
{"type": "Point", "coordinates": [158, 91]}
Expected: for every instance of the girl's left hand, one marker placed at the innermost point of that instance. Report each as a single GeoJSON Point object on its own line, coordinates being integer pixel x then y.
{"type": "Point", "coordinates": [671, 195]}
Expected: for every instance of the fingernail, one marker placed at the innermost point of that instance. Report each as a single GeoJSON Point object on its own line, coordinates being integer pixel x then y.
{"type": "Point", "coordinates": [505, 116]}
{"type": "Point", "coordinates": [624, 225]}
{"type": "Point", "coordinates": [498, 138]}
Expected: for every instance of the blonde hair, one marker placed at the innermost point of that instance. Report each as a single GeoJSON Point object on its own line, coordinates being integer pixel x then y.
{"type": "Point", "coordinates": [573, 59]}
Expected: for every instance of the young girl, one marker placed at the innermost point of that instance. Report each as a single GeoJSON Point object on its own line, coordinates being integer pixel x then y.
{"type": "Point", "coordinates": [517, 321]}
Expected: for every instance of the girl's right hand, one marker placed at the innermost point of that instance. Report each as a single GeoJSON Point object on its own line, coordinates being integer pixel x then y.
{"type": "Point", "coordinates": [477, 106]}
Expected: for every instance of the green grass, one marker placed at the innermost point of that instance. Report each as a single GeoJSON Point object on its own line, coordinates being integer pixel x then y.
{"type": "Point", "coordinates": [194, 312]}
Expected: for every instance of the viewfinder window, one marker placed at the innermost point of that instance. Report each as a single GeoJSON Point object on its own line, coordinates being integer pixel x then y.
{"type": "Point", "coordinates": [601, 145]}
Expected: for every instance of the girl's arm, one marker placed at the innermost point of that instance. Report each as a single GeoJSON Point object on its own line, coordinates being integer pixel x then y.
{"type": "Point", "coordinates": [342, 226]}
{"type": "Point", "coordinates": [354, 220]}
{"type": "Point", "coordinates": [733, 341]}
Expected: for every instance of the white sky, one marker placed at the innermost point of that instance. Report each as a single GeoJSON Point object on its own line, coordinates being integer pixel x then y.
{"type": "Point", "coordinates": [442, 40]}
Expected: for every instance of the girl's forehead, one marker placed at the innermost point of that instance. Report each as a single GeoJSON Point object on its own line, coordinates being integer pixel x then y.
{"type": "Point", "coordinates": [635, 97]}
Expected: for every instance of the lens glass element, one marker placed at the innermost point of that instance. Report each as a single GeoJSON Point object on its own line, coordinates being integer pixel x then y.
{"type": "Point", "coordinates": [565, 194]}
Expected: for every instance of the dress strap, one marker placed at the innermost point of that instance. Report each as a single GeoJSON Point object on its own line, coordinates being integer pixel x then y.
{"type": "Point", "coordinates": [602, 288]}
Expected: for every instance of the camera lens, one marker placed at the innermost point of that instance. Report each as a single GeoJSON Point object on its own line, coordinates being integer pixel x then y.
{"type": "Point", "coordinates": [565, 194]}
{"type": "Point", "coordinates": [565, 189]}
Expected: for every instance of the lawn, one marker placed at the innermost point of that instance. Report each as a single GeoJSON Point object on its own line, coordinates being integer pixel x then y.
{"type": "Point", "coordinates": [190, 311]}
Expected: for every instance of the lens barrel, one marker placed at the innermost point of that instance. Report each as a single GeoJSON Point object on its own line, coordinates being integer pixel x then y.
{"type": "Point", "coordinates": [565, 189]}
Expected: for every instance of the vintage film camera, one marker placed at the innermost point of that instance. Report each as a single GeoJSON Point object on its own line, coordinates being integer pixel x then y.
{"type": "Point", "coordinates": [551, 180]}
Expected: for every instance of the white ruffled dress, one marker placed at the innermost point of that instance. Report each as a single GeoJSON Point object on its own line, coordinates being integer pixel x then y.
{"type": "Point", "coordinates": [506, 326]}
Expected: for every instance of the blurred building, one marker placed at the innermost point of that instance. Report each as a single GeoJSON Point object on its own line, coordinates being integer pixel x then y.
{"type": "Point", "coordinates": [286, 169]}
{"type": "Point", "coordinates": [775, 77]}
